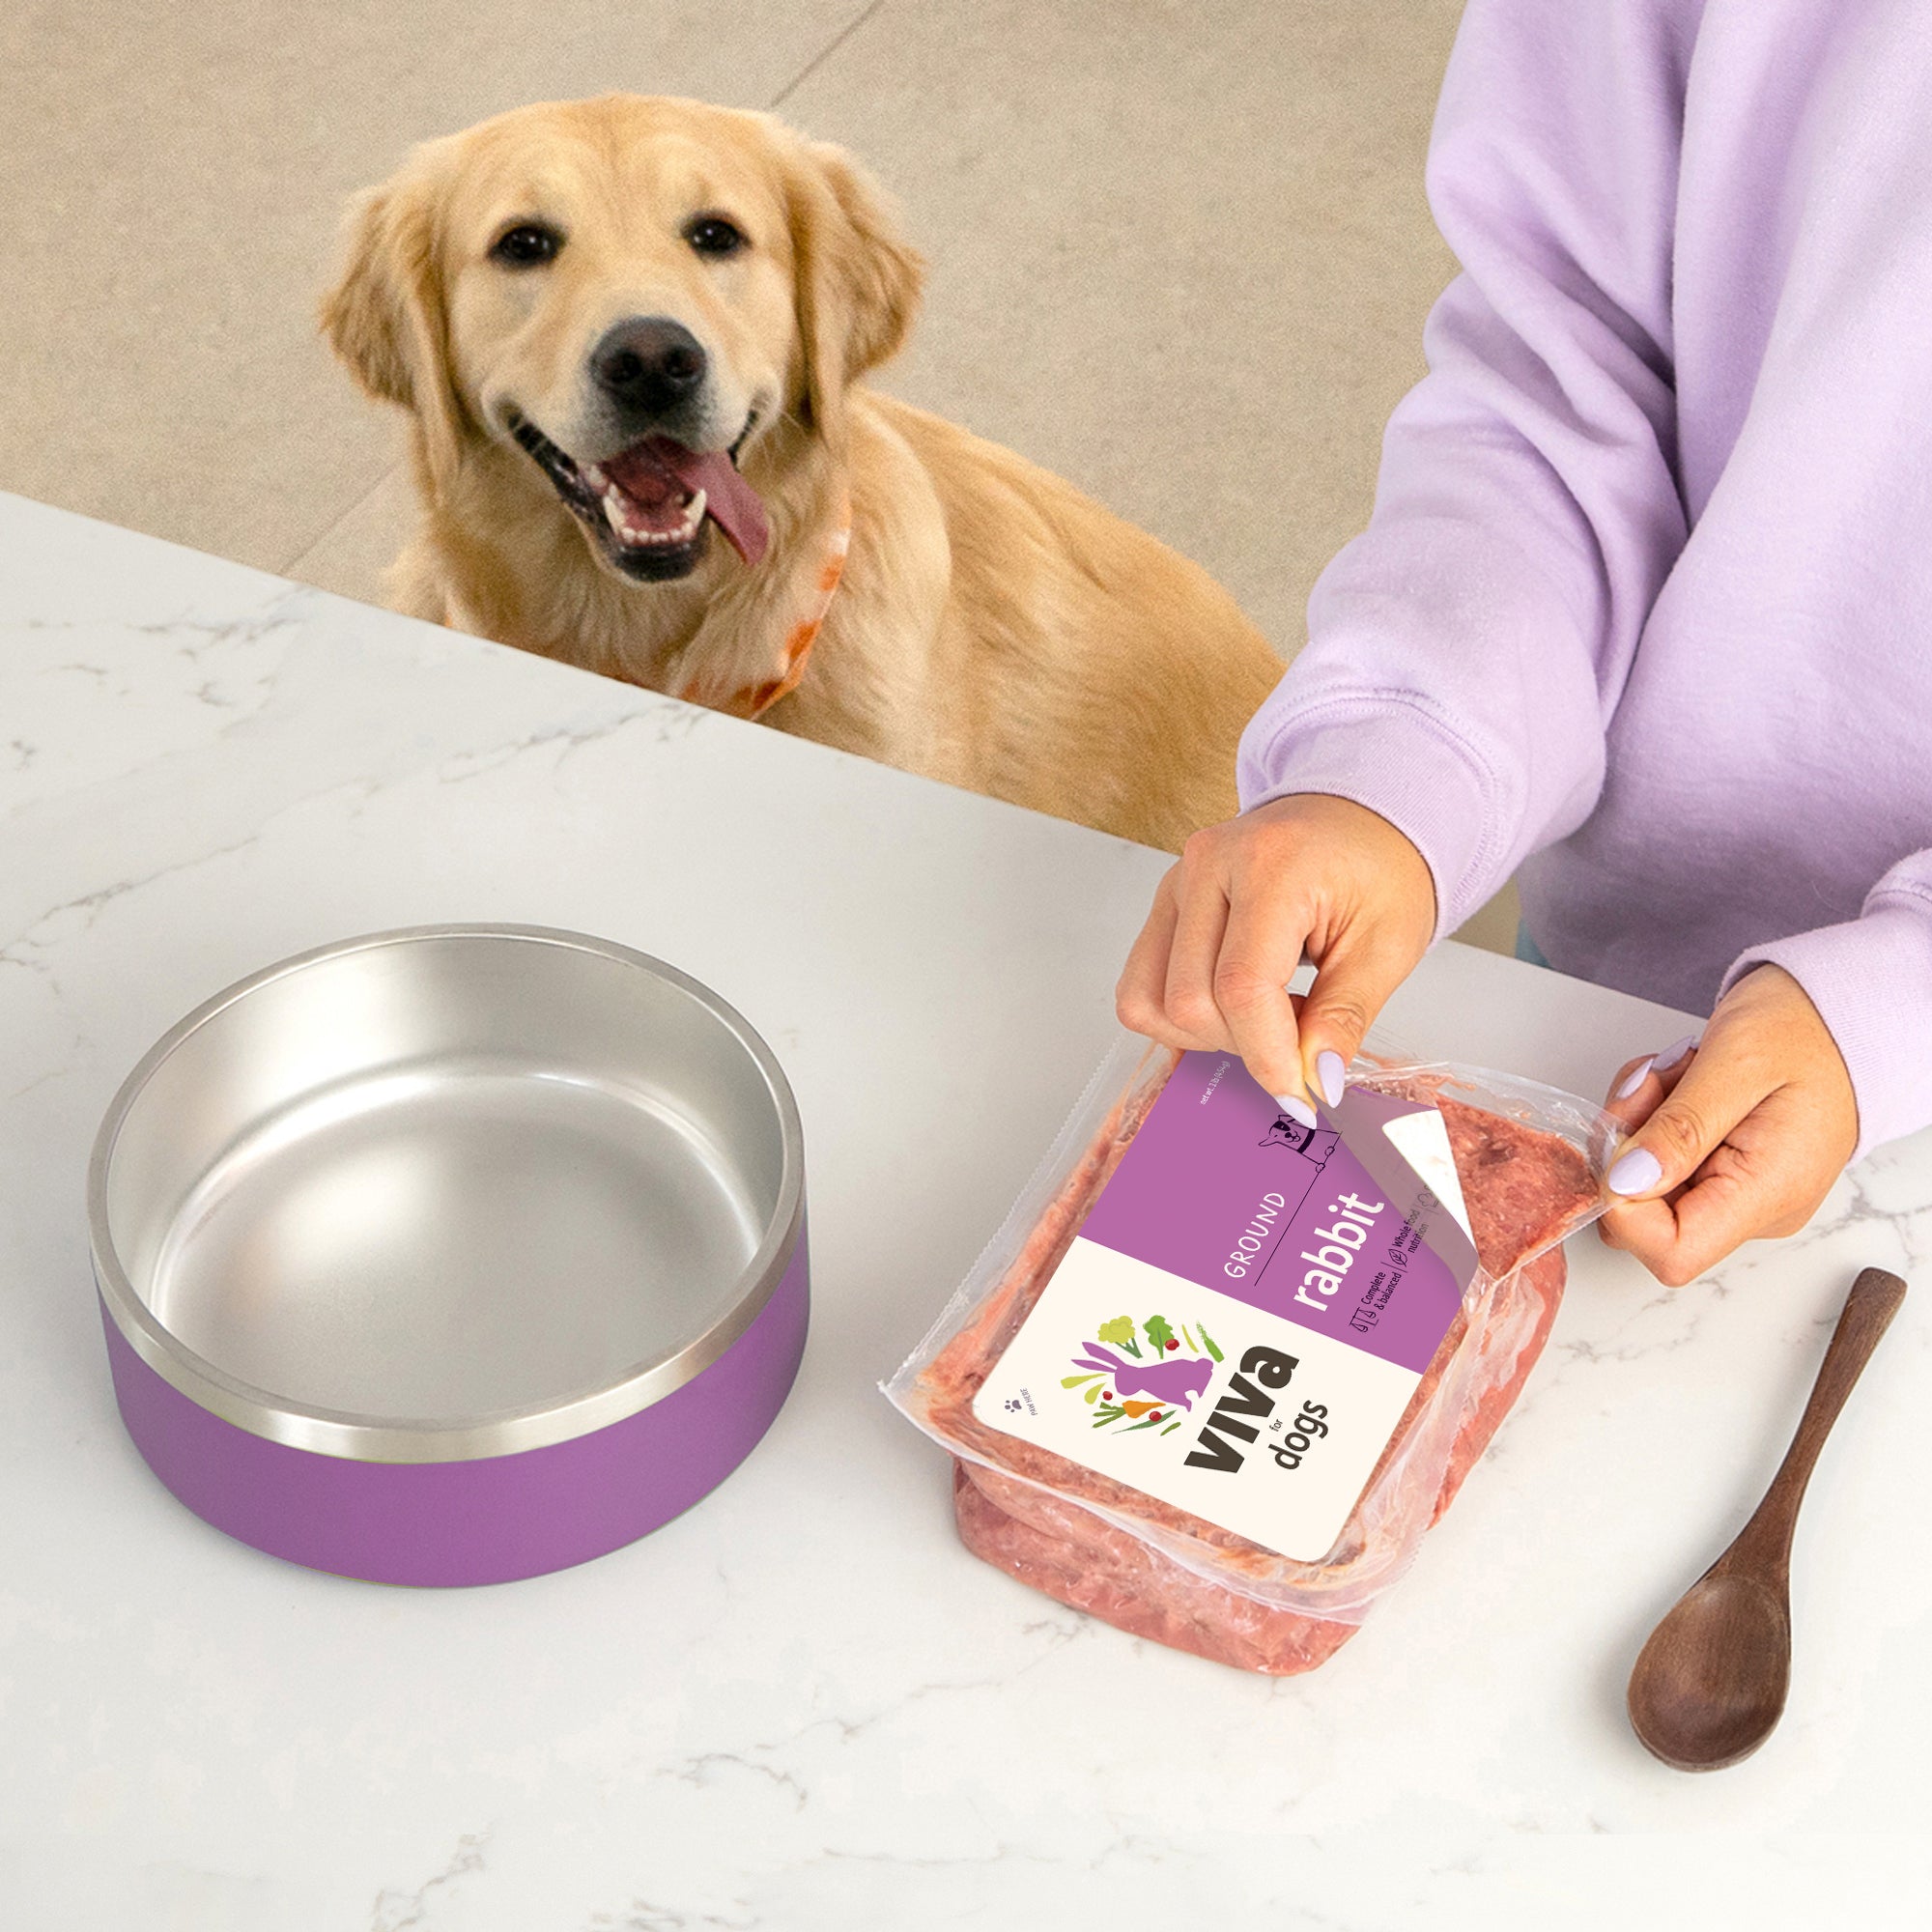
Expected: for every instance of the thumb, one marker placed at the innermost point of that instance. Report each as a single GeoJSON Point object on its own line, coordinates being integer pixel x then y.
{"type": "Point", "coordinates": [1354, 980]}
{"type": "Point", "coordinates": [1688, 1125]}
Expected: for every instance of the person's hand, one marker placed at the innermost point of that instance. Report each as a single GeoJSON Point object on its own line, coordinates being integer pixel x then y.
{"type": "Point", "coordinates": [1232, 919]}
{"type": "Point", "coordinates": [1735, 1136]}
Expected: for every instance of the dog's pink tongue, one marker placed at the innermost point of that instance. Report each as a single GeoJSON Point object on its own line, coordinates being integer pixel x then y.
{"type": "Point", "coordinates": [728, 500]}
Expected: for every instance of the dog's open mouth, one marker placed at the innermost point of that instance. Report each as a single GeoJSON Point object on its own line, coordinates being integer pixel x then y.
{"type": "Point", "coordinates": [649, 505]}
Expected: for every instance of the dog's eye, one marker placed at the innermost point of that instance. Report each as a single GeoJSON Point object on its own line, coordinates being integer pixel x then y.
{"type": "Point", "coordinates": [713, 235]}
{"type": "Point", "coordinates": [526, 245]}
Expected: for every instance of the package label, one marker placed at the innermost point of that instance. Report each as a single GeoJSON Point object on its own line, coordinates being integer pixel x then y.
{"type": "Point", "coordinates": [1240, 1324]}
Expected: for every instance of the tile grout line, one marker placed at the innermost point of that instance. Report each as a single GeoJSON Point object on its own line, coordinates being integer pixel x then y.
{"type": "Point", "coordinates": [819, 59]}
{"type": "Point", "coordinates": [335, 523]}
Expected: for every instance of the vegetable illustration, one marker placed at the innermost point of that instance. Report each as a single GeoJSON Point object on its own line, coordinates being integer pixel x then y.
{"type": "Point", "coordinates": [1145, 1387]}
{"type": "Point", "coordinates": [1171, 1383]}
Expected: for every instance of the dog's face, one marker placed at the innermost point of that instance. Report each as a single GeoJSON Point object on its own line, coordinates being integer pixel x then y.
{"type": "Point", "coordinates": [630, 292]}
{"type": "Point", "coordinates": [624, 310]}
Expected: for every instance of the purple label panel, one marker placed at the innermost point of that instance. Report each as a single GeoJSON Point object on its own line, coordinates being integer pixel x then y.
{"type": "Point", "coordinates": [1219, 1188]}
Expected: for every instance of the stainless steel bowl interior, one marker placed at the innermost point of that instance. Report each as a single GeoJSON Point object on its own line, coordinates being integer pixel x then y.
{"type": "Point", "coordinates": [429, 1179]}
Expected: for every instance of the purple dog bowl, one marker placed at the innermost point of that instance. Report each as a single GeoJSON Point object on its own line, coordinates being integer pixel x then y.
{"type": "Point", "coordinates": [453, 1255]}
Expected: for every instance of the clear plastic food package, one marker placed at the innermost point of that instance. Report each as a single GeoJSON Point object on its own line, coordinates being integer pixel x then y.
{"type": "Point", "coordinates": [1206, 1336]}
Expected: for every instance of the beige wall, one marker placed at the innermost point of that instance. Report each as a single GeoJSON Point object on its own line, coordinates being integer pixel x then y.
{"type": "Point", "coordinates": [1181, 253]}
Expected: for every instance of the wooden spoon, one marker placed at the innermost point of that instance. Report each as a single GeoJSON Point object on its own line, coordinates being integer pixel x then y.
{"type": "Point", "coordinates": [1709, 1687]}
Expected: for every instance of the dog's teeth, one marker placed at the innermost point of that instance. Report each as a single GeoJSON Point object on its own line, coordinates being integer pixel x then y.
{"type": "Point", "coordinates": [595, 477]}
{"type": "Point", "coordinates": [614, 502]}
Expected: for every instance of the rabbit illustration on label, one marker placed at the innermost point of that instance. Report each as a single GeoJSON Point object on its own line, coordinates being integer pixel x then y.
{"type": "Point", "coordinates": [1143, 1375]}
{"type": "Point", "coordinates": [1176, 1380]}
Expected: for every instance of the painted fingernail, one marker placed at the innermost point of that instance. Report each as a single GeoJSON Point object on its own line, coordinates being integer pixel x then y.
{"type": "Point", "coordinates": [1297, 1111]}
{"type": "Point", "coordinates": [1672, 1054]}
{"type": "Point", "coordinates": [1637, 1077]}
{"type": "Point", "coordinates": [1333, 1075]}
{"type": "Point", "coordinates": [1634, 1173]}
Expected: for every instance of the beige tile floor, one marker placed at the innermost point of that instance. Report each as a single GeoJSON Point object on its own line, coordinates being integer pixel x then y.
{"type": "Point", "coordinates": [1180, 253]}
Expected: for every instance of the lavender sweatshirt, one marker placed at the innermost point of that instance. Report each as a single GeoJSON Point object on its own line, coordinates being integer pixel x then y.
{"type": "Point", "coordinates": [1645, 606]}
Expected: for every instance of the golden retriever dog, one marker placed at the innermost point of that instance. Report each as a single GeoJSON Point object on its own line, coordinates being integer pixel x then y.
{"type": "Point", "coordinates": [629, 335]}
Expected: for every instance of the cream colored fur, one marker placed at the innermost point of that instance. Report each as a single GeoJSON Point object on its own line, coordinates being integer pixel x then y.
{"type": "Point", "coordinates": [994, 628]}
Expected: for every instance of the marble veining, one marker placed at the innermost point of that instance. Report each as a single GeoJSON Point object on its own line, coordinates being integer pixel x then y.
{"type": "Point", "coordinates": [803, 1705]}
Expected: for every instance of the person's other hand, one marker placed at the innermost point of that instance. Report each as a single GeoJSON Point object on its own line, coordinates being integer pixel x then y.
{"type": "Point", "coordinates": [1232, 919]}
{"type": "Point", "coordinates": [1735, 1136]}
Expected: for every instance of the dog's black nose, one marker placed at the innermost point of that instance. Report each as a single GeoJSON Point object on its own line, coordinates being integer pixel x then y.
{"type": "Point", "coordinates": [650, 364]}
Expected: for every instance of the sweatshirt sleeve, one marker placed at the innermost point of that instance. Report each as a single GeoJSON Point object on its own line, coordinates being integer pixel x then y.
{"type": "Point", "coordinates": [1466, 652]}
{"type": "Point", "coordinates": [1871, 981]}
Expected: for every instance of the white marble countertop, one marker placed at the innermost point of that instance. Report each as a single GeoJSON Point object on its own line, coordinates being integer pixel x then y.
{"type": "Point", "coordinates": [804, 1705]}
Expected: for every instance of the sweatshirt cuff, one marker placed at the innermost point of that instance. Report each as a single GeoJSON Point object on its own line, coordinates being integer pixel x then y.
{"type": "Point", "coordinates": [1392, 753]}
{"type": "Point", "coordinates": [1871, 981]}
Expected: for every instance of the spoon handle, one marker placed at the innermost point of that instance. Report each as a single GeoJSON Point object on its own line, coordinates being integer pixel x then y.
{"type": "Point", "coordinates": [1764, 1545]}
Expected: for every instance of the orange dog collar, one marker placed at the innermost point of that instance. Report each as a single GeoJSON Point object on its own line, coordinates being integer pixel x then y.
{"type": "Point", "coordinates": [755, 700]}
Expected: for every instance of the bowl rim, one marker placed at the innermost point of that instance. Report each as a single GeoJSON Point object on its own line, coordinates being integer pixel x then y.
{"type": "Point", "coordinates": [346, 1434]}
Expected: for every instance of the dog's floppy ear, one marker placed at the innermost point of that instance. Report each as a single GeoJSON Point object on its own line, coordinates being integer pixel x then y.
{"type": "Point", "coordinates": [385, 316]}
{"type": "Point", "coordinates": [858, 279]}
